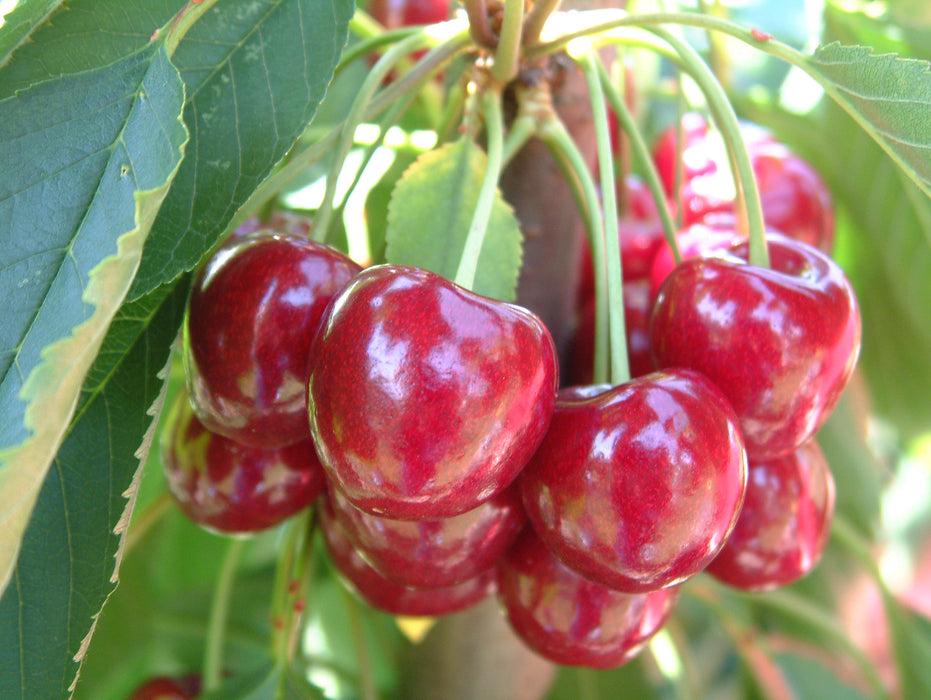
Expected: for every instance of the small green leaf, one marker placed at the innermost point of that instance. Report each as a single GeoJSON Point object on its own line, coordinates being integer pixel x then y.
{"type": "Point", "coordinates": [87, 162]}
{"type": "Point", "coordinates": [889, 96]}
{"type": "Point", "coordinates": [254, 74]}
{"type": "Point", "coordinates": [911, 641]}
{"type": "Point", "coordinates": [430, 213]}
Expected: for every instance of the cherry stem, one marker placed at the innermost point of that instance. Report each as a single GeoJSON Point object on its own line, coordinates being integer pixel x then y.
{"type": "Point", "coordinates": [183, 21]}
{"type": "Point", "coordinates": [619, 363]}
{"type": "Point", "coordinates": [522, 129]}
{"type": "Point", "coordinates": [557, 138]}
{"type": "Point", "coordinates": [293, 545]}
{"type": "Point", "coordinates": [494, 132]}
{"type": "Point", "coordinates": [297, 163]}
{"type": "Point", "coordinates": [367, 676]}
{"type": "Point", "coordinates": [479, 28]}
{"type": "Point", "coordinates": [726, 119]}
{"type": "Point", "coordinates": [379, 72]}
{"type": "Point", "coordinates": [147, 518]}
{"type": "Point", "coordinates": [680, 149]}
{"type": "Point", "coordinates": [536, 19]}
{"type": "Point", "coordinates": [642, 153]}
{"type": "Point", "coordinates": [219, 612]}
{"type": "Point", "coordinates": [507, 55]}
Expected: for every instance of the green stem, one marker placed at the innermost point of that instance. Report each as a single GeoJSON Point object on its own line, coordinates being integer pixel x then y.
{"type": "Point", "coordinates": [183, 21]}
{"type": "Point", "coordinates": [554, 134]}
{"type": "Point", "coordinates": [536, 19]}
{"type": "Point", "coordinates": [507, 55]}
{"type": "Point", "coordinates": [370, 42]}
{"type": "Point", "coordinates": [219, 611]}
{"type": "Point", "coordinates": [292, 543]}
{"type": "Point", "coordinates": [379, 72]}
{"type": "Point", "coordinates": [522, 129]}
{"type": "Point", "coordinates": [494, 131]}
{"type": "Point", "coordinates": [619, 363]}
{"type": "Point", "coordinates": [366, 673]}
{"type": "Point", "coordinates": [477, 11]}
{"type": "Point", "coordinates": [642, 153]}
{"type": "Point", "coordinates": [147, 518]}
{"type": "Point", "coordinates": [744, 177]}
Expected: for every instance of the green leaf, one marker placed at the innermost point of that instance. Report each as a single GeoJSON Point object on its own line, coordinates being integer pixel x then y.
{"type": "Point", "coordinates": [254, 73]}
{"type": "Point", "coordinates": [809, 679]}
{"type": "Point", "coordinates": [430, 213]}
{"type": "Point", "coordinates": [88, 159]}
{"type": "Point", "coordinates": [889, 96]}
{"type": "Point", "coordinates": [911, 641]}
{"type": "Point", "coordinates": [71, 551]}
{"type": "Point", "coordinates": [46, 39]}
{"type": "Point", "coordinates": [268, 682]}
{"type": "Point", "coordinates": [21, 22]}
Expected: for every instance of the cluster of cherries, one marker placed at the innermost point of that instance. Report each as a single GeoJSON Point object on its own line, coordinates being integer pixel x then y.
{"type": "Point", "coordinates": [427, 424]}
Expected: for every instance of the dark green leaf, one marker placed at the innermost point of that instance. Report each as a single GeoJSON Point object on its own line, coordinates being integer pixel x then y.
{"type": "Point", "coordinates": [254, 73]}
{"type": "Point", "coordinates": [70, 554]}
{"type": "Point", "coordinates": [51, 38]}
{"type": "Point", "coordinates": [809, 679]}
{"type": "Point", "coordinates": [911, 641]}
{"type": "Point", "coordinates": [87, 161]}
{"type": "Point", "coordinates": [430, 214]}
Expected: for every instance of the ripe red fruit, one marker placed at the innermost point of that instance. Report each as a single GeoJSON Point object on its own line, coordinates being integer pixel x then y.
{"type": "Point", "coordinates": [425, 398]}
{"type": "Point", "coordinates": [694, 241]}
{"type": "Point", "coordinates": [226, 486]}
{"type": "Point", "coordinates": [168, 688]}
{"type": "Point", "coordinates": [388, 595]}
{"type": "Point", "coordinates": [570, 620]}
{"type": "Point", "coordinates": [785, 522]}
{"type": "Point", "coordinates": [254, 309]}
{"type": "Point", "coordinates": [638, 487]}
{"type": "Point", "coordinates": [393, 14]}
{"type": "Point", "coordinates": [433, 553]}
{"type": "Point", "coordinates": [781, 343]}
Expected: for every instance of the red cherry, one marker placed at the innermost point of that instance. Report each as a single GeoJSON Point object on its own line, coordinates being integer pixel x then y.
{"type": "Point", "coordinates": [388, 595]}
{"type": "Point", "coordinates": [426, 399]}
{"type": "Point", "coordinates": [570, 620]}
{"type": "Point", "coordinates": [226, 486]}
{"type": "Point", "coordinates": [781, 343]}
{"type": "Point", "coordinates": [694, 241]}
{"type": "Point", "coordinates": [280, 220]}
{"type": "Point", "coordinates": [434, 553]}
{"type": "Point", "coordinates": [785, 522]}
{"type": "Point", "coordinates": [168, 688]}
{"type": "Point", "coordinates": [393, 14]}
{"type": "Point", "coordinates": [638, 487]}
{"type": "Point", "coordinates": [253, 312]}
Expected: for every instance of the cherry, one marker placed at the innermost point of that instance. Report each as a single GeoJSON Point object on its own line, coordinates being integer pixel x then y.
{"type": "Point", "coordinates": [434, 553]}
{"type": "Point", "coordinates": [695, 241]}
{"type": "Point", "coordinates": [253, 312]}
{"type": "Point", "coordinates": [168, 688]}
{"type": "Point", "coordinates": [388, 595]}
{"type": "Point", "coordinates": [781, 343]}
{"type": "Point", "coordinates": [794, 198]}
{"type": "Point", "coordinates": [425, 398]}
{"type": "Point", "coordinates": [638, 303]}
{"type": "Point", "coordinates": [570, 620]}
{"type": "Point", "coordinates": [393, 14]}
{"type": "Point", "coordinates": [637, 488]}
{"type": "Point", "coordinates": [230, 487]}
{"type": "Point", "coordinates": [785, 522]}
{"type": "Point", "coordinates": [280, 220]}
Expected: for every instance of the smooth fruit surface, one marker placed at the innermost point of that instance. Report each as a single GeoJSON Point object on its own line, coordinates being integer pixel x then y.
{"type": "Point", "coordinates": [227, 486]}
{"type": "Point", "coordinates": [437, 552]}
{"type": "Point", "coordinates": [385, 593]}
{"type": "Point", "coordinates": [402, 13]}
{"type": "Point", "coordinates": [571, 620]}
{"type": "Point", "coordinates": [426, 399]}
{"type": "Point", "coordinates": [785, 522]}
{"type": "Point", "coordinates": [638, 487]}
{"type": "Point", "coordinates": [254, 309]}
{"type": "Point", "coordinates": [780, 342]}
{"type": "Point", "coordinates": [168, 688]}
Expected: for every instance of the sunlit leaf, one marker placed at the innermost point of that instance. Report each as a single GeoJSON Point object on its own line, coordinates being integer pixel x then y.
{"type": "Point", "coordinates": [430, 214]}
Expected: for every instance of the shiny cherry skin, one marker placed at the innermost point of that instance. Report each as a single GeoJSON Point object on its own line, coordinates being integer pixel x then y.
{"type": "Point", "coordinates": [638, 487]}
{"type": "Point", "coordinates": [695, 241]}
{"type": "Point", "coordinates": [168, 688]}
{"type": "Point", "coordinates": [781, 342]}
{"type": "Point", "coordinates": [280, 220]}
{"type": "Point", "coordinates": [427, 399]}
{"type": "Point", "coordinates": [570, 620]}
{"type": "Point", "coordinates": [434, 553]}
{"type": "Point", "coordinates": [388, 595]}
{"type": "Point", "coordinates": [784, 525]}
{"type": "Point", "coordinates": [229, 487]}
{"type": "Point", "coordinates": [580, 356]}
{"type": "Point", "coordinates": [393, 14]}
{"type": "Point", "coordinates": [253, 311]}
